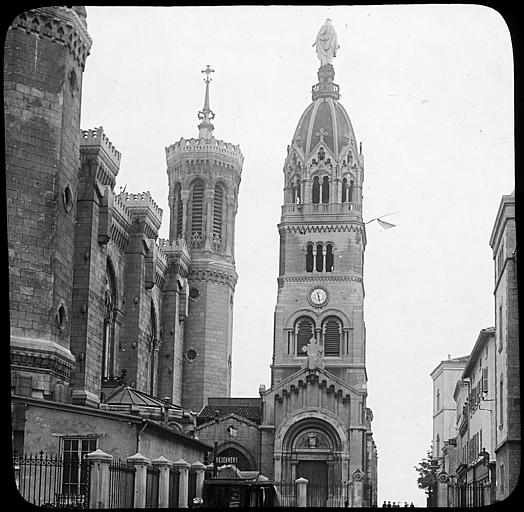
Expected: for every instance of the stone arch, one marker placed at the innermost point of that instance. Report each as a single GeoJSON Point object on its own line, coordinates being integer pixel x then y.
{"type": "Point", "coordinates": [334, 312]}
{"type": "Point", "coordinates": [290, 322]}
{"type": "Point", "coordinates": [222, 447]}
{"type": "Point", "coordinates": [327, 416]}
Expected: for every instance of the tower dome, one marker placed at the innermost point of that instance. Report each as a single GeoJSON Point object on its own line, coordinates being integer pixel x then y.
{"type": "Point", "coordinates": [325, 122]}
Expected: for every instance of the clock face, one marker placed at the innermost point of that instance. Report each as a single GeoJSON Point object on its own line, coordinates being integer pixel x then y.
{"type": "Point", "coordinates": [318, 297]}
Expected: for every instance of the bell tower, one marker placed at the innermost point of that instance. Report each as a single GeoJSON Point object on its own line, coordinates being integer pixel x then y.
{"type": "Point", "coordinates": [322, 242]}
{"type": "Point", "coordinates": [204, 177]}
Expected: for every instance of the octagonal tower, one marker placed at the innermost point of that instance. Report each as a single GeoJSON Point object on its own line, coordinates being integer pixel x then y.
{"type": "Point", "coordinates": [204, 176]}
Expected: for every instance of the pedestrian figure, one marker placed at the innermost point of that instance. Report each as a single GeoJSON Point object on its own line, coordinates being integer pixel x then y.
{"type": "Point", "coordinates": [412, 505]}
{"type": "Point", "coordinates": [384, 505]}
{"type": "Point", "coordinates": [389, 504]}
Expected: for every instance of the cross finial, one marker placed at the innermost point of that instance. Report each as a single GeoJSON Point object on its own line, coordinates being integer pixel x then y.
{"type": "Point", "coordinates": [208, 71]}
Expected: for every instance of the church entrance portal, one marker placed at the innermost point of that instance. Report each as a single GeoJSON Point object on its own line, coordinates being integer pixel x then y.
{"type": "Point", "coordinates": [316, 473]}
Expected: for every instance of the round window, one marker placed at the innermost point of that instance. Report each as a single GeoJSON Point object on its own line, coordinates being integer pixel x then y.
{"type": "Point", "coordinates": [67, 197]}
{"type": "Point", "coordinates": [194, 293]}
{"type": "Point", "coordinates": [191, 354]}
{"type": "Point", "coordinates": [61, 317]}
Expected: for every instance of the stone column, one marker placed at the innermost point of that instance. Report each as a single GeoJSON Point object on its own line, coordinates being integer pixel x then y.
{"type": "Point", "coordinates": [442, 494]}
{"type": "Point", "coordinates": [199, 469]}
{"type": "Point", "coordinates": [99, 480]}
{"type": "Point", "coordinates": [140, 462]}
{"type": "Point", "coordinates": [358, 488]}
{"type": "Point", "coordinates": [184, 195]}
{"type": "Point", "coordinates": [230, 223]}
{"type": "Point", "coordinates": [306, 191]}
{"type": "Point", "coordinates": [301, 484]}
{"type": "Point", "coordinates": [293, 465]}
{"type": "Point", "coordinates": [183, 482]}
{"type": "Point", "coordinates": [278, 467]}
{"type": "Point", "coordinates": [164, 466]}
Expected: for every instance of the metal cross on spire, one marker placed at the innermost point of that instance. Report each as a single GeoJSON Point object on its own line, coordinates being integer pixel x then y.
{"type": "Point", "coordinates": [206, 115]}
{"type": "Point", "coordinates": [208, 71]}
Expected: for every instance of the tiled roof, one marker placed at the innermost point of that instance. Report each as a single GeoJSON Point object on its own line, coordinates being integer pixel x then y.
{"type": "Point", "coordinates": [126, 395]}
{"type": "Point", "coordinates": [246, 411]}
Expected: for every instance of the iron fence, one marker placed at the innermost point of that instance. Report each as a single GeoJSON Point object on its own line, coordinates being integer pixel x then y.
{"type": "Point", "coordinates": [326, 495]}
{"type": "Point", "coordinates": [53, 481]}
{"type": "Point", "coordinates": [174, 477]}
{"type": "Point", "coordinates": [287, 494]}
{"type": "Point", "coordinates": [152, 480]}
{"type": "Point", "coordinates": [121, 484]}
{"type": "Point", "coordinates": [191, 487]}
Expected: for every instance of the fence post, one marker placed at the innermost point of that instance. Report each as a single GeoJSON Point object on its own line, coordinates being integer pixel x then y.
{"type": "Point", "coordinates": [183, 482]}
{"type": "Point", "coordinates": [140, 463]}
{"type": "Point", "coordinates": [358, 488]}
{"type": "Point", "coordinates": [301, 484]}
{"type": "Point", "coordinates": [99, 479]}
{"type": "Point", "coordinates": [163, 466]}
{"type": "Point", "coordinates": [199, 469]}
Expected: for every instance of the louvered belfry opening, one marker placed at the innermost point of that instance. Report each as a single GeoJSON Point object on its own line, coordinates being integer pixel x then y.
{"type": "Point", "coordinates": [179, 212]}
{"type": "Point", "coordinates": [304, 332]}
{"type": "Point", "coordinates": [315, 195]}
{"type": "Point", "coordinates": [325, 190]}
{"type": "Point", "coordinates": [319, 258]}
{"type": "Point", "coordinates": [197, 203]}
{"type": "Point", "coordinates": [218, 206]}
{"type": "Point", "coordinates": [332, 337]}
{"type": "Point", "coordinates": [309, 258]}
{"type": "Point", "coordinates": [329, 258]}
{"type": "Point", "coordinates": [344, 189]}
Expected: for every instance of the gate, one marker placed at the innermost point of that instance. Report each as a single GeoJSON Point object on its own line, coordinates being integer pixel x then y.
{"type": "Point", "coordinates": [52, 481]}
{"type": "Point", "coordinates": [121, 485]}
{"type": "Point", "coordinates": [152, 481]}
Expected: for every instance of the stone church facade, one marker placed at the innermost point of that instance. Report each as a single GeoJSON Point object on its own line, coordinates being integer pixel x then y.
{"type": "Point", "coordinates": [110, 323]}
{"type": "Point", "coordinates": [98, 302]}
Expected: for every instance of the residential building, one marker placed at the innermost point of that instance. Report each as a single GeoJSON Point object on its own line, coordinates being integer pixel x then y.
{"type": "Point", "coordinates": [507, 411]}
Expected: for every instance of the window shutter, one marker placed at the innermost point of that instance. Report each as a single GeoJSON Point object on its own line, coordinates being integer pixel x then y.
{"type": "Point", "coordinates": [197, 208]}
{"type": "Point", "coordinates": [332, 338]}
{"type": "Point", "coordinates": [485, 380]}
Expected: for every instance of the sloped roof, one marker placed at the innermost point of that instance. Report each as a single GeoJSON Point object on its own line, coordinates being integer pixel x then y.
{"type": "Point", "coordinates": [246, 411]}
{"type": "Point", "coordinates": [126, 395]}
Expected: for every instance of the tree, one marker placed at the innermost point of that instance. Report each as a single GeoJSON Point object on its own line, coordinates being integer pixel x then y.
{"type": "Point", "coordinates": [427, 470]}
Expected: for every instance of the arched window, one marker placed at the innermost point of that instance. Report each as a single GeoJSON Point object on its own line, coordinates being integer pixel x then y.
{"type": "Point", "coordinates": [108, 342]}
{"type": "Point", "coordinates": [197, 203]}
{"type": "Point", "coordinates": [179, 211]}
{"type": "Point", "coordinates": [218, 213]}
{"type": "Point", "coordinates": [297, 197]}
{"type": "Point", "coordinates": [325, 189]}
{"type": "Point", "coordinates": [332, 330]}
{"type": "Point", "coordinates": [329, 258]}
{"type": "Point", "coordinates": [309, 258]}
{"type": "Point", "coordinates": [315, 192]}
{"type": "Point", "coordinates": [344, 190]}
{"type": "Point", "coordinates": [437, 453]}
{"type": "Point", "coordinates": [153, 340]}
{"type": "Point", "coordinates": [351, 199]}
{"type": "Point", "coordinates": [304, 331]}
{"type": "Point", "coordinates": [319, 263]}
{"type": "Point", "coordinates": [438, 400]}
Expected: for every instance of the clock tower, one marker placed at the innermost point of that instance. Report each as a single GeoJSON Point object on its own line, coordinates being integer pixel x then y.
{"type": "Point", "coordinates": [316, 423]}
{"type": "Point", "coordinates": [322, 242]}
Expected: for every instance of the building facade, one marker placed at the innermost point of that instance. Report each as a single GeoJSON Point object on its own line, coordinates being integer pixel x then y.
{"type": "Point", "coordinates": [479, 463]}
{"type": "Point", "coordinates": [107, 320]}
{"type": "Point", "coordinates": [507, 412]}
{"type": "Point", "coordinates": [445, 377]}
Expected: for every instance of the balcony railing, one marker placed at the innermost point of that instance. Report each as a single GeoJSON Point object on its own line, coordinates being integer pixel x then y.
{"type": "Point", "coordinates": [326, 208]}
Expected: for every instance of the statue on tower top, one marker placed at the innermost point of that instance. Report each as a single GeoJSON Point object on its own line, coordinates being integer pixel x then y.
{"type": "Point", "coordinates": [326, 43]}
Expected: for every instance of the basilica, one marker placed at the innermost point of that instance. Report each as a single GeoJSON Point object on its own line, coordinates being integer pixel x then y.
{"type": "Point", "coordinates": [121, 341]}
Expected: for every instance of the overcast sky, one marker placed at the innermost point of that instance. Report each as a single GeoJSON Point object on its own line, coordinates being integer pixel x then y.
{"type": "Point", "coordinates": [429, 90]}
